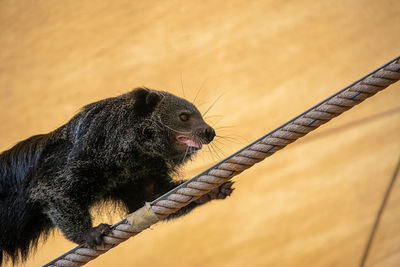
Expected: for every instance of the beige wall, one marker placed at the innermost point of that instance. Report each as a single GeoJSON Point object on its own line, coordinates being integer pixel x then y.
{"type": "Point", "coordinates": [312, 204]}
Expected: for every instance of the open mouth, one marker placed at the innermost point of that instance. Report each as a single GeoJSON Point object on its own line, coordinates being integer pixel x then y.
{"type": "Point", "coordinates": [183, 139]}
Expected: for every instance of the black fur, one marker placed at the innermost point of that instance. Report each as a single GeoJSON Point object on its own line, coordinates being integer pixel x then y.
{"type": "Point", "coordinates": [123, 148]}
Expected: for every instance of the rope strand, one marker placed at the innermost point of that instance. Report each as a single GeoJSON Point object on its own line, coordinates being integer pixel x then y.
{"type": "Point", "coordinates": [238, 162]}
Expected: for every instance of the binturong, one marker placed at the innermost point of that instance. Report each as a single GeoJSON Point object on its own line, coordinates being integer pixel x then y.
{"type": "Point", "coordinates": [124, 149]}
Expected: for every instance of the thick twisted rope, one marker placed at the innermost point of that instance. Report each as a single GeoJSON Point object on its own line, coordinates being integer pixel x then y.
{"type": "Point", "coordinates": [243, 159]}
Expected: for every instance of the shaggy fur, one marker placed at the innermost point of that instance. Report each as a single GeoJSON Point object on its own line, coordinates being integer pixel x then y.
{"type": "Point", "coordinates": [123, 148]}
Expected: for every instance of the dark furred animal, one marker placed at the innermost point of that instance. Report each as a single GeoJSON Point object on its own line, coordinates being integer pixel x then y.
{"type": "Point", "coordinates": [123, 148]}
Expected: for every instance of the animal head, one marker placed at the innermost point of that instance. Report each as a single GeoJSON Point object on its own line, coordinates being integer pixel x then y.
{"type": "Point", "coordinates": [178, 116]}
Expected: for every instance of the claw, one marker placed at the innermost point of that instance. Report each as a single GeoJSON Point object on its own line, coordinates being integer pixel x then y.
{"type": "Point", "coordinates": [94, 237]}
{"type": "Point", "coordinates": [220, 192]}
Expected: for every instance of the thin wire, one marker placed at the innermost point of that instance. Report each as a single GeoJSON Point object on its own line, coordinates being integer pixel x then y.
{"type": "Point", "coordinates": [379, 215]}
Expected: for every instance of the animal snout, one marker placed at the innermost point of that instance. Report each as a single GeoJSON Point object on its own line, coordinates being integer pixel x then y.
{"type": "Point", "coordinates": [209, 134]}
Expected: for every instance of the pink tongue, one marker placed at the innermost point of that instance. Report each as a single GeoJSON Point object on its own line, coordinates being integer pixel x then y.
{"type": "Point", "coordinates": [191, 143]}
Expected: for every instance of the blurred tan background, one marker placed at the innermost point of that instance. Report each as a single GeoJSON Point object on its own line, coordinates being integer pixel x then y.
{"type": "Point", "coordinates": [311, 204]}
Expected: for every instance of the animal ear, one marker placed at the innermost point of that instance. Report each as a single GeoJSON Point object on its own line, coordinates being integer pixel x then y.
{"type": "Point", "coordinates": [146, 101]}
{"type": "Point", "coordinates": [152, 100]}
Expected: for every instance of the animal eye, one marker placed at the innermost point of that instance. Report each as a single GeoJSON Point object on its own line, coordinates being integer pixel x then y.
{"type": "Point", "coordinates": [184, 117]}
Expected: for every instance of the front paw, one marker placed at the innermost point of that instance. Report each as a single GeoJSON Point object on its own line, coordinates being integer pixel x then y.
{"type": "Point", "coordinates": [94, 237]}
{"type": "Point", "coordinates": [220, 192]}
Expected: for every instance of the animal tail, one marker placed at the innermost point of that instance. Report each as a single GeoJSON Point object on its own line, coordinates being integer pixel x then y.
{"type": "Point", "coordinates": [21, 226]}
{"type": "Point", "coordinates": [21, 220]}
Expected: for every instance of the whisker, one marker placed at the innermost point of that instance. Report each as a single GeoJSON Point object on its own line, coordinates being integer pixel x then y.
{"type": "Point", "coordinates": [234, 139]}
{"type": "Point", "coordinates": [215, 101]}
{"type": "Point", "coordinates": [217, 150]}
{"type": "Point", "coordinates": [211, 153]}
{"type": "Point", "coordinates": [198, 91]}
{"type": "Point", "coordinates": [213, 116]}
{"type": "Point", "coordinates": [159, 120]}
{"type": "Point", "coordinates": [219, 142]}
{"type": "Point", "coordinates": [152, 123]}
{"type": "Point", "coordinates": [183, 91]}
{"type": "Point", "coordinates": [224, 127]}
{"type": "Point", "coordinates": [215, 124]}
{"type": "Point", "coordinates": [199, 140]}
{"type": "Point", "coordinates": [224, 142]}
{"type": "Point", "coordinates": [184, 156]}
{"type": "Point", "coordinates": [213, 158]}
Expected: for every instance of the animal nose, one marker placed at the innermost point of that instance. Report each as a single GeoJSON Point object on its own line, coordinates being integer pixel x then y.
{"type": "Point", "coordinates": [209, 134]}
